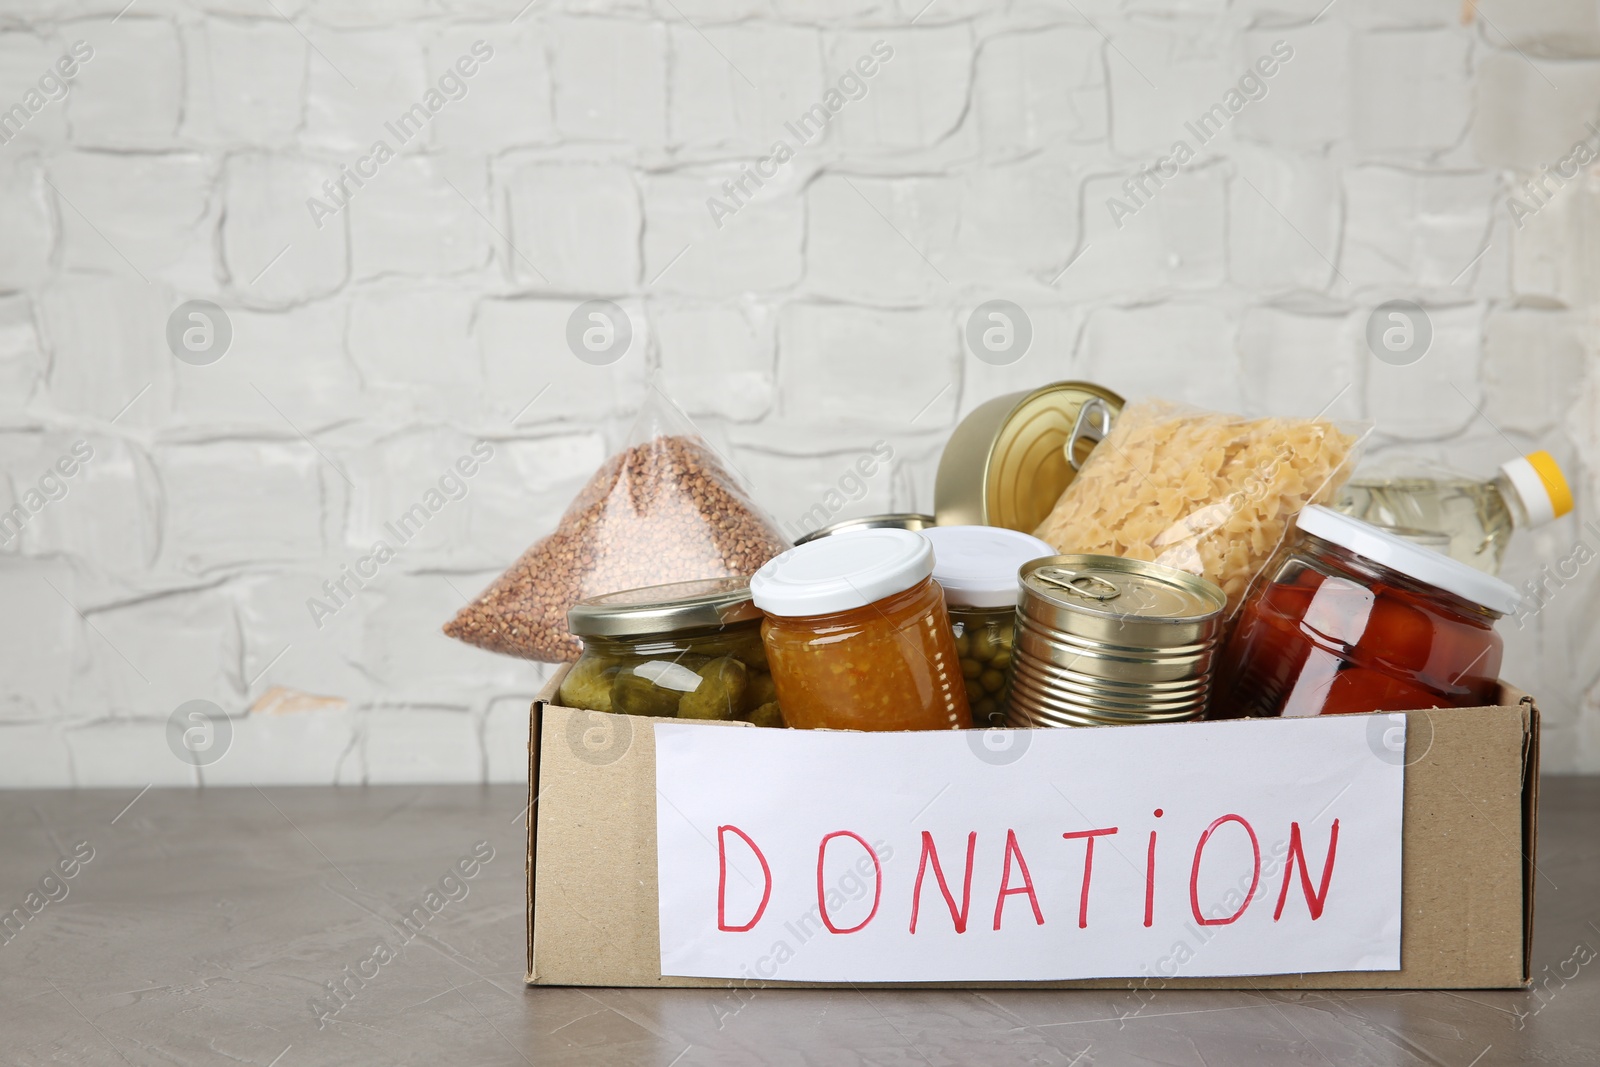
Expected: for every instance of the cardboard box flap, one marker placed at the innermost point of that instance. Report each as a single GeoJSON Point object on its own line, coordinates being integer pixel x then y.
{"type": "Point", "coordinates": [531, 813]}
{"type": "Point", "coordinates": [1530, 819]}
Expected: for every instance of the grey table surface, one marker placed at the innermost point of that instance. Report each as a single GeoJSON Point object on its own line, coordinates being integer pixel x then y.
{"type": "Point", "coordinates": [205, 927]}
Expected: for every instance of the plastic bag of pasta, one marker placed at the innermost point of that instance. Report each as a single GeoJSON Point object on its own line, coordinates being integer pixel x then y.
{"type": "Point", "coordinates": [664, 509]}
{"type": "Point", "coordinates": [1207, 493]}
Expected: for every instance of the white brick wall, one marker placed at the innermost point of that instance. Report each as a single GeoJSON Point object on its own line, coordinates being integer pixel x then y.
{"type": "Point", "coordinates": [823, 315]}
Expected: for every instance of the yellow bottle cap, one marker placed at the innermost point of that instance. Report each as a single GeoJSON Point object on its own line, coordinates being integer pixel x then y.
{"type": "Point", "coordinates": [1555, 483]}
{"type": "Point", "coordinates": [1538, 480]}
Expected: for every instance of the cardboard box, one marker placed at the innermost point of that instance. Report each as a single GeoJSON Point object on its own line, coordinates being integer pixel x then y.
{"type": "Point", "coordinates": [1470, 829]}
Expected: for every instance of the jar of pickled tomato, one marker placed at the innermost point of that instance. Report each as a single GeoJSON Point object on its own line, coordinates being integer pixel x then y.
{"type": "Point", "coordinates": [1353, 619]}
{"type": "Point", "coordinates": [858, 637]}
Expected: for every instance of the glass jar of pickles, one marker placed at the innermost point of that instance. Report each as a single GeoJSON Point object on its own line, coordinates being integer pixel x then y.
{"type": "Point", "coordinates": [688, 650]}
{"type": "Point", "coordinates": [977, 566]}
{"type": "Point", "coordinates": [1355, 619]}
{"type": "Point", "coordinates": [858, 636]}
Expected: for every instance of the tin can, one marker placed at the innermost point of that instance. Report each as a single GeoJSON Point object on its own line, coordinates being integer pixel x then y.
{"type": "Point", "coordinates": [1103, 641]}
{"type": "Point", "coordinates": [902, 521]}
{"type": "Point", "coordinates": [1010, 459]}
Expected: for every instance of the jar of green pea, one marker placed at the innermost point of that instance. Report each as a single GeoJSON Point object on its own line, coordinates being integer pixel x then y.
{"type": "Point", "coordinates": [977, 567]}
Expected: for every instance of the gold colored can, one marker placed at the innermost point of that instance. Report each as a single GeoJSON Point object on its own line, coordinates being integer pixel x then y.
{"type": "Point", "coordinates": [1103, 641]}
{"type": "Point", "coordinates": [898, 521]}
{"type": "Point", "coordinates": [1009, 460]}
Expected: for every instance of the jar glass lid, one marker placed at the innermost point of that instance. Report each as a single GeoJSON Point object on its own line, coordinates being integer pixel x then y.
{"type": "Point", "coordinates": [977, 565]}
{"type": "Point", "coordinates": [1412, 560]}
{"type": "Point", "coordinates": [658, 609]}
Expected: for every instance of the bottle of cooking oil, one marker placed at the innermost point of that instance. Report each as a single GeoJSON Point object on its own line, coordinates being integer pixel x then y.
{"type": "Point", "coordinates": [1457, 514]}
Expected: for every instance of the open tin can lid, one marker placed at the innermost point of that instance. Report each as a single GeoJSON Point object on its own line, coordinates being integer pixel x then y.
{"type": "Point", "coordinates": [1008, 462]}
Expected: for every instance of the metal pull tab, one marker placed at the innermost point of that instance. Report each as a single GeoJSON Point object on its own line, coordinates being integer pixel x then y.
{"type": "Point", "coordinates": [1092, 424]}
{"type": "Point", "coordinates": [1087, 586]}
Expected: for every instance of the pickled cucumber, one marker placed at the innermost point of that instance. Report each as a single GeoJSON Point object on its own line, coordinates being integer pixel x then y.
{"type": "Point", "coordinates": [761, 691]}
{"type": "Point", "coordinates": [726, 678]}
{"type": "Point", "coordinates": [744, 647]}
{"type": "Point", "coordinates": [588, 684]}
{"type": "Point", "coordinates": [692, 660]}
{"type": "Point", "coordinates": [633, 695]}
{"type": "Point", "coordinates": [721, 692]}
{"type": "Point", "coordinates": [766, 714]}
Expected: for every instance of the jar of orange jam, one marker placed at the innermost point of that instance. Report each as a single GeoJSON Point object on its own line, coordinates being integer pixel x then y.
{"type": "Point", "coordinates": [857, 635]}
{"type": "Point", "coordinates": [1354, 619]}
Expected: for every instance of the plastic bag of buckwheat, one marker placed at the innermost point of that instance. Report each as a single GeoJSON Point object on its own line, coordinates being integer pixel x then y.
{"type": "Point", "coordinates": [664, 509]}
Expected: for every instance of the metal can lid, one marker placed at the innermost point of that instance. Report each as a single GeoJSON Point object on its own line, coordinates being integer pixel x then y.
{"type": "Point", "coordinates": [1007, 463]}
{"type": "Point", "coordinates": [660, 609]}
{"type": "Point", "coordinates": [897, 521]}
{"type": "Point", "coordinates": [1113, 588]}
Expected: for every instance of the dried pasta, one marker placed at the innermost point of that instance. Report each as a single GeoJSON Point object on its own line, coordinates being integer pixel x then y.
{"type": "Point", "coordinates": [1206, 493]}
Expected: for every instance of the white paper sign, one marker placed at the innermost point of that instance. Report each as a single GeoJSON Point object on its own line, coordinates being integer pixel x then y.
{"type": "Point", "coordinates": [1224, 848]}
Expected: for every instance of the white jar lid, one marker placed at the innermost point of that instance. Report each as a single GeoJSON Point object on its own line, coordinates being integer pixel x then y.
{"type": "Point", "coordinates": [1412, 560]}
{"type": "Point", "coordinates": [977, 565]}
{"type": "Point", "coordinates": [839, 573]}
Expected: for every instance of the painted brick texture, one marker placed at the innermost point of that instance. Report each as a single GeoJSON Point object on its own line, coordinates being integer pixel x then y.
{"type": "Point", "coordinates": [390, 308]}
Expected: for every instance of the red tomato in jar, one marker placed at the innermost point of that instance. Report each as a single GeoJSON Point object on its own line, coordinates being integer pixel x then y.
{"type": "Point", "coordinates": [1399, 633]}
{"type": "Point", "coordinates": [1356, 691]}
